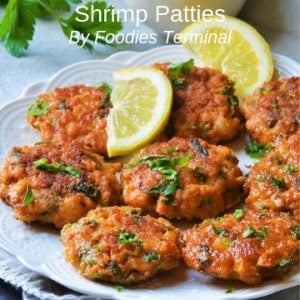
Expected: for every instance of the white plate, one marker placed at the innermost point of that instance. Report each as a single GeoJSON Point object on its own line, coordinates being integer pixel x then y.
{"type": "Point", "coordinates": [38, 247]}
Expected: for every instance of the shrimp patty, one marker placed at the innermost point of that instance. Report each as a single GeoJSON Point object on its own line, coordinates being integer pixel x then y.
{"type": "Point", "coordinates": [274, 182]}
{"type": "Point", "coordinates": [57, 184]}
{"type": "Point", "coordinates": [245, 246]}
{"type": "Point", "coordinates": [75, 115]}
{"type": "Point", "coordinates": [183, 178]}
{"type": "Point", "coordinates": [204, 104]}
{"type": "Point", "coordinates": [272, 112]}
{"type": "Point", "coordinates": [121, 245]}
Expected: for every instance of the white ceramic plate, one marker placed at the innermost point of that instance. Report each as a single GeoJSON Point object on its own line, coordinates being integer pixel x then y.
{"type": "Point", "coordinates": [38, 247]}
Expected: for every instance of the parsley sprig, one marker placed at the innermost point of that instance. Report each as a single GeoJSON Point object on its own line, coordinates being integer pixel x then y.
{"type": "Point", "coordinates": [44, 165]}
{"type": "Point", "coordinates": [19, 20]}
{"type": "Point", "coordinates": [165, 166]}
{"type": "Point", "coordinates": [176, 70]}
{"type": "Point", "coordinates": [256, 150]}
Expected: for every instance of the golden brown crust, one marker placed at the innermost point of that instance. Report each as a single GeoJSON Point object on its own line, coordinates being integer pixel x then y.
{"type": "Point", "coordinates": [57, 196]}
{"type": "Point", "coordinates": [273, 183]}
{"type": "Point", "coordinates": [272, 112]}
{"type": "Point", "coordinates": [76, 115]}
{"type": "Point", "coordinates": [204, 106]}
{"type": "Point", "coordinates": [250, 249]}
{"type": "Point", "coordinates": [121, 245]}
{"type": "Point", "coordinates": [208, 183]}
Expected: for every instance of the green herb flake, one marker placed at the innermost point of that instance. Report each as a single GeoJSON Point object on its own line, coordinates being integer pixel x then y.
{"type": "Point", "coordinates": [28, 198]}
{"type": "Point", "coordinates": [233, 101]}
{"type": "Point", "coordinates": [296, 231]}
{"type": "Point", "coordinates": [290, 169]}
{"type": "Point", "coordinates": [166, 167]}
{"type": "Point", "coordinates": [73, 171]}
{"type": "Point", "coordinates": [171, 150]}
{"type": "Point", "coordinates": [228, 291]}
{"type": "Point", "coordinates": [62, 105]}
{"type": "Point", "coordinates": [44, 143]}
{"type": "Point", "coordinates": [119, 288]}
{"type": "Point", "coordinates": [178, 81]}
{"type": "Point", "coordinates": [151, 256]}
{"type": "Point", "coordinates": [250, 232]}
{"type": "Point", "coordinates": [106, 87]}
{"type": "Point", "coordinates": [116, 270]}
{"type": "Point", "coordinates": [176, 69]}
{"type": "Point", "coordinates": [274, 104]}
{"type": "Point", "coordinates": [220, 232]}
{"type": "Point", "coordinates": [256, 150]}
{"type": "Point", "coordinates": [42, 164]}
{"type": "Point", "coordinates": [279, 183]}
{"type": "Point", "coordinates": [266, 90]}
{"type": "Point", "coordinates": [39, 108]}
{"type": "Point", "coordinates": [129, 238]}
{"type": "Point", "coordinates": [238, 213]}
{"type": "Point", "coordinates": [277, 160]}
{"type": "Point", "coordinates": [285, 263]}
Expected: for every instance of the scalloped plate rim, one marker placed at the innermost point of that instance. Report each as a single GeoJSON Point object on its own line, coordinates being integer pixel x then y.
{"type": "Point", "coordinates": [32, 90]}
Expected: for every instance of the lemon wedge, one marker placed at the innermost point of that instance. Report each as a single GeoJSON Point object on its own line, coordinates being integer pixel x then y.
{"type": "Point", "coordinates": [233, 47]}
{"type": "Point", "coordinates": [142, 101]}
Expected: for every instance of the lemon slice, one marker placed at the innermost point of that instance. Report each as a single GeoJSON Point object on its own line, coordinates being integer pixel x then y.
{"type": "Point", "coordinates": [142, 100]}
{"type": "Point", "coordinates": [233, 47]}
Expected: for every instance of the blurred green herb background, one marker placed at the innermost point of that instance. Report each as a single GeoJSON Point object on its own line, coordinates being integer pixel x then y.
{"type": "Point", "coordinates": [19, 21]}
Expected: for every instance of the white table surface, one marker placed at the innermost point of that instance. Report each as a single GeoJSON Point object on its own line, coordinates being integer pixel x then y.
{"type": "Point", "coordinates": [49, 51]}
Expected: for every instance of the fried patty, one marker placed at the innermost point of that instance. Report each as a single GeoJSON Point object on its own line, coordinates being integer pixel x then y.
{"type": "Point", "coordinates": [183, 178]}
{"type": "Point", "coordinates": [204, 105]}
{"type": "Point", "coordinates": [75, 115]}
{"type": "Point", "coordinates": [247, 246]}
{"type": "Point", "coordinates": [274, 182]}
{"type": "Point", "coordinates": [57, 184]}
{"type": "Point", "coordinates": [121, 245]}
{"type": "Point", "coordinates": [272, 112]}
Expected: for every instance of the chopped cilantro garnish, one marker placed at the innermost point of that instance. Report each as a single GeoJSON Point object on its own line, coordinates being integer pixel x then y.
{"type": "Point", "coordinates": [296, 230]}
{"type": "Point", "coordinates": [107, 88]}
{"type": "Point", "coordinates": [279, 183]}
{"type": "Point", "coordinates": [178, 81]}
{"type": "Point", "coordinates": [166, 167]}
{"type": "Point", "coordinates": [39, 108]}
{"type": "Point", "coordinates": [28, 198]}
{"type": "Point", "coordinates": [129, 238]}
{"type": "Point", "coordinates": [44, 143]}
{"type": "Point", "coordinates": [119, 288]}
{"type": "Point", "coordinates": [265, 91]}
{"type": "Point", "coordinates": [151, 256]}
{"type": "Point", "coordinates": [233, 101]}
{"type": "Point", "coordinates": [256, 150]}
{"type": "Point", "coordinates": [290, 169]}
{"type": "Point", "coordinates": [116, 270]}
{"type": "Point", "coordinates": [171, 150]}
{"type": "Point", "coordinates": [261, 234]}
{"type": "Point", "coordinates": [177, 69]}
{"type": "Point", "coordinates": [285, 263]}
{"type": "Point", "coordinates": [220, 232]}
{"type": "Point", "coordinates": [228, 291]}
{"type": "Point", "coordinates": [238, 213]}
{"type": "Point", "coordinates": [42, 164]}
{"type": "Point", "coordinates": [274, 104]}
